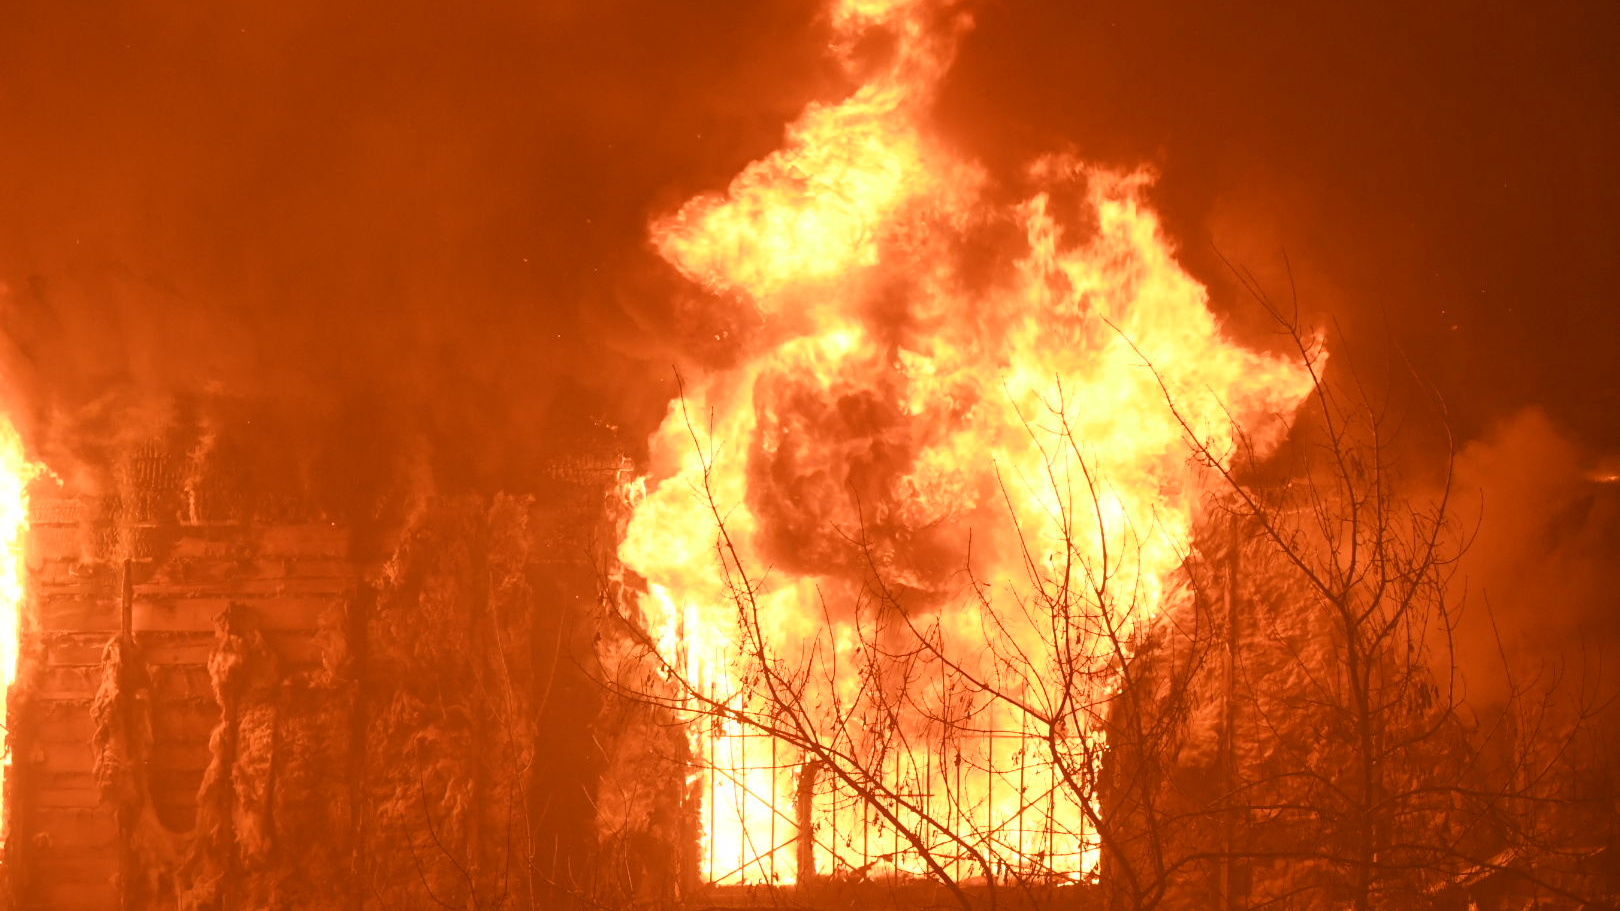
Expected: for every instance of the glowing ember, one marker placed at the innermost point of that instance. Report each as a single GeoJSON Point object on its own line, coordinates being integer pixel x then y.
{"type": "Point", "coordinates": [15, 473]}
{"type": "Point", "coordinates": [993, 444]}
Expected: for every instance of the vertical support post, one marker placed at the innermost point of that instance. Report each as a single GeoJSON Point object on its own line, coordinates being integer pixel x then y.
{"type": "Point", "coordinates": [926, 787]}
{"type": "Point", "coordinates": [991, 770]}
{"type": "Point", "coordinates": [1023, 789]}
{"type": "Point", "coordinates": [127, 863]}
{"type": "Point", "coordinates": [832, 823]}
{"type": "Point", "coordinates": [711, 782]}
{"type": "Point", "coordinates": [772, 874]}
{"type": "Point", "coordinates": [899, 788]}
{"type": "Point", "coordinates": [804, 817]}
{"type": "Point", "coordinates": [1229, 899]}
{"type": "Point", "coordinates": [126, 600]}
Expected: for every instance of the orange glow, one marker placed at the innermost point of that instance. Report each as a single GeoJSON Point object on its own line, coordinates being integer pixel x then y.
{"type": "Point", "coordinates": [892, 397]}
{"type": "Point", "coordinates": [15, 474]}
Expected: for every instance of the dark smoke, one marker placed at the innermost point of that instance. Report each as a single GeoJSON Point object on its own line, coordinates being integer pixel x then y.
{"type": "Point", "coordinates": [1543, 517]}
{"type": "Point", "coordinates": [1439, 174]}
{"type": "Point", "coordinates": [375, 229]}
{"type": "Point", "coordinates": [381, 227]}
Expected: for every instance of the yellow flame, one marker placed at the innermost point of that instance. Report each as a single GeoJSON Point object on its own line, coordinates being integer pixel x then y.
{"type": "Point", "coordinates": [894, 392]}
{"type": "Point", "coordinates": [16, 471]}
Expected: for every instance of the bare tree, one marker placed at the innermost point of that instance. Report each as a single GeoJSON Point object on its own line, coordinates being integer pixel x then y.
{"type": "Point", "coordinates": [1355, 770]}
{"type": "Point", "coordinates": [936, 725]}
{"type": "Point", "coordinates": [1291, 729]}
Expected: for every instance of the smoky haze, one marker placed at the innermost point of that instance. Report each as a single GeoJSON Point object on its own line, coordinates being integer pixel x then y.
{"type": "Point", "coordinates": [1439, 179]}
{"type": "Point", "coordinates": [433, 217]}
{"type": "Point", "coordinates": [1440, 174]}
{"type": "Point", "coordinates": [399, 226]}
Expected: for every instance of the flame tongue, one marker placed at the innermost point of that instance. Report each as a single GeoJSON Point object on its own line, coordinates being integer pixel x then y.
{"type": "Point", "coordinates": [15, 474]}
{"type": "Point", "coordinates": [898, 398]}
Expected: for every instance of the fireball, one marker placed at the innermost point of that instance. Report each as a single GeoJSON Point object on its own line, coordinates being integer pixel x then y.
{"type": "Point", "coordinates": [902, 496]}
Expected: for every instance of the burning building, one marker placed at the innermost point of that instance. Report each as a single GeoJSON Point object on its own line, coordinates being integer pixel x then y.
{"type": "Point", "coordinates": [965, 554]}
{"type": "Point", "coordinates": [227, 698]}
{"type": "Point", "coordinates": [925, 462]}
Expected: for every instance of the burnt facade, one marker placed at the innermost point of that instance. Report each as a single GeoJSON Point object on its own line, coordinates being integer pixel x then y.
{"type": "Point", "coordinates": [237, 691]}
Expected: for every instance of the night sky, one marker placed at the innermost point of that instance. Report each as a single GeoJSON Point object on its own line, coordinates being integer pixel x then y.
{"type": "Point", "coordinates": [1440, 175]}
{"type": "Point", "coordinates": [441, 210]}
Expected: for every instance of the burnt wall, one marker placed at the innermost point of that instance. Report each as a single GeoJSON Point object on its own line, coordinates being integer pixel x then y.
{"type": "Point", "coordinates": [1290, 735]}
{"type": "Point", "coordinates": [238, 690]}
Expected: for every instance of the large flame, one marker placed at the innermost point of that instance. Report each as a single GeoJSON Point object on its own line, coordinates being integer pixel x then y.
{"type": "Point", "coordinates": [16, 471]}
{"type": "Point", "coordinates": [962, 398]}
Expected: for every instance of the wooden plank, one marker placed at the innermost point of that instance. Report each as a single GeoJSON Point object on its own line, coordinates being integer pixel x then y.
{"type": "Point", "coordinates": [51, 895]}
{"type": "Point", "coordinates": [55, 542]}
{"type": "Point", "coordinates": [244, 588]}
{"type": "Point", "coordinates": [219, 572]}
{"type": "Point", "coordinates": [222, 585]}
{"type": "Point", "coordinates": [87, 797]}
{"type": "Point", "coordinates": [52, 574]}
{"type": "Point", "coordinates": [77, 864]}
{"type": "Point", "coordinates": [188, 756]}
{"type": "Point", "coordinates": [70, 827]}
{"type": "Point", "coordinates": [62, 757]}
{"type": "Point", "coordinates": [49, 509]}
{"type": "Point", "coordinates": [181, 682]}
{"type": "Point", "coordinates": [78, 613]}
{"type": "Point", "coordinates": [185, 719]}
{"type": "Point", "coordinates": [196, 614]}
{"type": "Point", "coordinates": [167, 647]}
{"type": "Point", "coordinates": [73, 728]}
{"type": "Point", "coordinates": [295, 648]}
{"type": "Point", "coordinates": [54, 782]}
{"type": "Point", "coordinates": [68, 682]}
{"type": "Point", "coordinates": [232, 541]}
{"type": "Point", "coordinates": [75, 648]}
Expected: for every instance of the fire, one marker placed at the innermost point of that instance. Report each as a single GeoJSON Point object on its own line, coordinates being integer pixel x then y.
{"type": "Point", "coordinates": [16, 471]}
{"type": "Point", "coordinates": [897, 491]}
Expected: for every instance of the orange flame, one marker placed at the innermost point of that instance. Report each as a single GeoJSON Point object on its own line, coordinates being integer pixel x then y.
{"type": "Point", "coordinates": [893, 398]}
{"type": "Point", "coordinates": [16, 471]}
